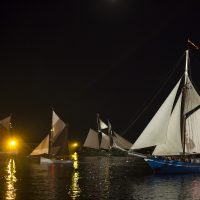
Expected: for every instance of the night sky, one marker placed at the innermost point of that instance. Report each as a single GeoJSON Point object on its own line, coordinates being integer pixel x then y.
{"type": "Point", "coordinates": [82, 57]}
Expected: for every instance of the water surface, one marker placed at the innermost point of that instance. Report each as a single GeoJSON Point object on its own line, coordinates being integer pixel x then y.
{"type": "Point", "coordinates": [92, 178]}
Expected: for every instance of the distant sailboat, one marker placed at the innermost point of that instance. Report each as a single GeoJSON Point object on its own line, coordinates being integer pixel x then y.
{"type": "Point", "coordinates": [97, 139]}
{"type": "Point", "coordinates": [174, 130]}
{"type": "Point", "coordinates": [102, 141]}
{"type": "Point", "coordinates": [6, 122]}
{"type": "Point", "coordinates": [55, 144]}
{"type": "Point", "coordinates": [5, 126]}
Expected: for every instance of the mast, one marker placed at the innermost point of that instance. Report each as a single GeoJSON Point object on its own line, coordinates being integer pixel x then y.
{"type": "Point", "coordinates": [98, 125]}
{"type": "Point", "coordinates": [183, 100]}
{"type": "Point", "coordinates": [186, 66]}
{"type": "Point", "coordinates": [98, 130]}
{"type": "Point", "coordinates": [110, 134]}
{"type": "Point", "coordinates": [50, 135]}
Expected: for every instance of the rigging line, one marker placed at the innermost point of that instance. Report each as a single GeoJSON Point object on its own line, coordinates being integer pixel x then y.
{"type": "Point", "coordinates": [114, 65]}
{"type": "Point", "coordinates": [139, 114]}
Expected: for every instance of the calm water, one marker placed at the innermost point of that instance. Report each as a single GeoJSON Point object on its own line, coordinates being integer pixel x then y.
{"type": "Point", "coordinates": [92, 178]}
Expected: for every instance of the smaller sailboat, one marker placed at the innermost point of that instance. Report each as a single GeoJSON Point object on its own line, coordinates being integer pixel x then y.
{"type": "Point", "coordinates": [97, 140]}
{"type": "Point", "coordinates": [6, 122]}
{"type": "Point", "coordinates": [54, 147]}
{"type": "Point", "coordinates": [174, 131]}
{"type": "Point", "coordinates": [7, 142]}
{"type": "Point", "coordinates": [105, 138]}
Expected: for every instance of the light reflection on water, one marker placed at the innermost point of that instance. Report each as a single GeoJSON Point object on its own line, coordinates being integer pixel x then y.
{"type": "Point", "coordinates": [92, 178]}
{"type": "Point", "coordinates": [11, 179]}
{"type": "Point", "coordinates": [105, 176]}
{"type": "Point", "coordinates": [75, 190]}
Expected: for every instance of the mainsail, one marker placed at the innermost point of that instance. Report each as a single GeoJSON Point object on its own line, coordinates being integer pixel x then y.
{"type": "Point", "coordinates": [57, 129]}
{"type": "Point", "coordinates": [192, 112]}
{"type": "Point", "coordinates": [105, 141]}
{"type": "Point", "coordinates": [192, 98]}
{"type": "Point", "coordinates": [156, 131]}
{"type": "Point", "coordinates": [92, 140]}
{"type": "Point", "coordinates": [60, 145]}
{"type": "Point", "coordinates": [57, 126]}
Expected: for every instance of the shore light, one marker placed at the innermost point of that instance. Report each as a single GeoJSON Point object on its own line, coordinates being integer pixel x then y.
{"type": "Point", "coordinates": [75, 144]}
{"type": "Point", "coordinates": [12, 143]}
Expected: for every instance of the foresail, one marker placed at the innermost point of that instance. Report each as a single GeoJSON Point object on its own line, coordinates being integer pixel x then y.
{"type": "Point", "coordinates": [173, 145]}
{"type": "Point", "coordinates": [155, 132]}
{"type": "Point", "coordinates": [42, 148]}
{"type": "Point", "coordinates": [120, 142]}
{"type": "Point", "coordinates": [92, 140]}
{"type": "Point", "coordinates": [105, 142]}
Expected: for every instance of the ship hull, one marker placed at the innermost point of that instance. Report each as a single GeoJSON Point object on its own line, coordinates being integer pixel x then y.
{"type": "Point", "coordinates": [161, 166]}
{"type": "Point", "coordinates": [51, 161]}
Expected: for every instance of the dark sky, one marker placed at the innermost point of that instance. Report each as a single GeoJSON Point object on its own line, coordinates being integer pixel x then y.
{"type": "Point", "coordinates": [82, 57]}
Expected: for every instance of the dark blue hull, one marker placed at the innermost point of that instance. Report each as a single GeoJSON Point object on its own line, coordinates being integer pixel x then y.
{"type": "Point", "coordinates": [161, 166]}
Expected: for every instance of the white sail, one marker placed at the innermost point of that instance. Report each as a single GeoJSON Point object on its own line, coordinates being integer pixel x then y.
{"type": "Point", "coordinates": [192, 103]}
{"type": "Point", "coordinates": [102, 125]}
{"type": "Point", "coordinates": [173, 144]}
{"type": "Point", "coordinates": [105, 141]}
{"type": "Point", "coordinates": [57, 126]}
{"type": "Point", "coordinates": [6, 122]}
{"type": "Point", "coordinates": [92, 140]}
{"type": "Point", "coordinates": [42, 148]}
{"type": "Point", "coordinates": [192, 98]}
{"type": "Point", "coordinates": [119, 141]}
{"type": "Point", "coordinates": [192, 141]}
{"type": "Point", "coordinates": [155, 132]}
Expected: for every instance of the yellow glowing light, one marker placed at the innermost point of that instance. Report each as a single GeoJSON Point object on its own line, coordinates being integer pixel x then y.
{"type": "Point", "coordinates": [75, 144]}
{"type": "Point", "coordinates": [12, 143]}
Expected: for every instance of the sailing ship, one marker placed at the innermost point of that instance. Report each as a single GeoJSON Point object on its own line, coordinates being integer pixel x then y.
{"type": "Point", "coordinates": [105, 139]}
{"type": "Point", "coordinates": [5, 132]}
{"type": "Point", "coordinates": [5, 123]}
{"type": "Point", "coordinates": [54, 147]}
{"type": "Point", "coordinates": [174, 130]}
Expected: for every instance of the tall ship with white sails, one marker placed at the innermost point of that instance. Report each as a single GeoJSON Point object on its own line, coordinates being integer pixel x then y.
{"type": "Point", "coordinates": [174, 130]}
{"type": "Point", "coordinates": [105, 138]}
{"type": "Point", "coordinates": [54, 147]}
